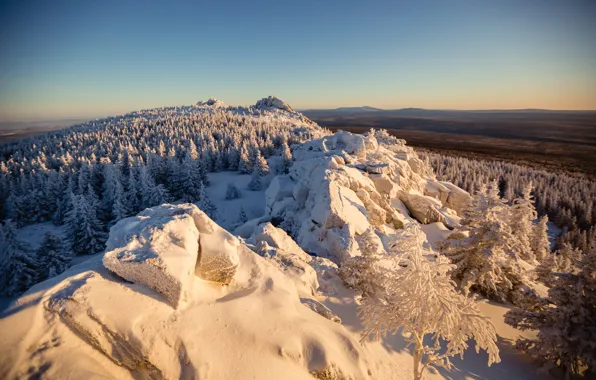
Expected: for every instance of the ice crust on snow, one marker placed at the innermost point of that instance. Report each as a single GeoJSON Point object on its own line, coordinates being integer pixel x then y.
{"type": "Point", "coordinates": [164, 247]}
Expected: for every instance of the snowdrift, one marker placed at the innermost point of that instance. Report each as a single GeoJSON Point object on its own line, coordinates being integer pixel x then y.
{"type": "Point", "coordinates": [116, 317]}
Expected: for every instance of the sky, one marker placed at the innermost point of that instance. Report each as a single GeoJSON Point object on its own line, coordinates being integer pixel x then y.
{"type": "Point", "coordinates": [77, 59]}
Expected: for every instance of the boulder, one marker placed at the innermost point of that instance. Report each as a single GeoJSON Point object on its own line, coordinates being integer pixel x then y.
{"type": "Point", "coordinates": [302, 275]}
{"type": "Point", "coordinates": [141, 250]}
{"type": "Point", "coordinates": [424, 209]}
{"type": "Point", "coordinates": [164, 247]}
{"type": "Point", "coordinates": [458, 199]}
{"type": "Point", "coordinates": [278, 238]}
{"type": "Point", "coordinates": [273, 102]}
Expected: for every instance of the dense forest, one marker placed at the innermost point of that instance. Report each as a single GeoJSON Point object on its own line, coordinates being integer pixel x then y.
{"type": "Point", "coordinates": [89, 176]}
{"type": "Point", "coordinates": [568, 200]}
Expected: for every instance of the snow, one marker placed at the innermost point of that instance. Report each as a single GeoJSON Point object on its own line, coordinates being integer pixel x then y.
{"type": "Point", "coordinates": [273, 102]}
{"type": "Point", "coordinates": [253, 202]}
{"type": "Point", "coordinates": [435, 232]}
{"type": "Point", "coordinates": [33, 234]}
{"type": "Point", "coordinates": [92, 322]}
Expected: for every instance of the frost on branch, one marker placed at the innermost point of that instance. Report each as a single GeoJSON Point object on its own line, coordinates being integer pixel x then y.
{"type": "Point", "coordinates": [485, 251]}
{"type": "Point", "coordinates": [420, 297]}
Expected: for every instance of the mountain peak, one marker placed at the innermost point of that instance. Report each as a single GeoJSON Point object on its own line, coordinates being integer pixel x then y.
{"type": "Point", "coordinates": [273, 102]}
{"type": "Point", "coordinates": [211, 102]}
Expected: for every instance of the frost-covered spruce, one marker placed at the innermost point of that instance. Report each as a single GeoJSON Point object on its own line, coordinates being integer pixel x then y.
{"type": "Point", "coordinates": [565, 320]}
{"type": "Point", "coordinates": [539, 239]}
{"type": "Point", "coordinates": [521, 214]}
{"type": "Point", "coordinates": [255, 180]}
{"type": "Point", "coordinates": [242, 218]}
{"type": "Point", "coordinates": [286, 158]}
{"type": "Point", "coordinates": [232, 192]}
{"type": "Point", "coordinates": [364, 273]}
{"type": "Point", "coordinates": [54, 258]}
{"type": "Point", "coordinates": [485, 251]}
{"type": "Point", "coordinates": [205, 203]}
{"type": "Point", "coordinates": [84, 229]}
{"type": "Point", "coordinates": [420, 298]}
{"type": "Point", "coordinates": [13, 261]}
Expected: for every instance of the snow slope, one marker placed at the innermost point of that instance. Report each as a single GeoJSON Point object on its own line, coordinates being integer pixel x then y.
{"type": "Point", "coordinates": [89, 322]}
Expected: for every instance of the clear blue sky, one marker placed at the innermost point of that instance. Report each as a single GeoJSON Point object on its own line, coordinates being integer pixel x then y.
{"type": "Point", "coordinates": [90, 58]}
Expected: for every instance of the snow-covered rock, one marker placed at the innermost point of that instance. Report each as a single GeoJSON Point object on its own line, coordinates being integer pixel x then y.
{"type": "Point", "coordinates": [164, 247]}
{"type": "Point", "coordinates": [273, 102]}
{"type": "Point", "coordinates": [211, 102]}
{"type": "Point", "coordinates": [341, 185]}
{"type": "Point", "coordinates": [278, 238]}
{"type": "Point", "coordinates": [89, 323]}
{"type": "Point", "coordinates": [300, 272]}
{"type": "Point", "coordinates": [424, 209]}
{"type": "Point", "coordinates": [140, 250]}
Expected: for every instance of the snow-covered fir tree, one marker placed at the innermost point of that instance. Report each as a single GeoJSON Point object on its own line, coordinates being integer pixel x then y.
{"type": "Point", "coordinates": [54, 258]}
{"type": "Point", "coordinates": [364, 273]}
{"type": "Point", "coordinates": [19, 269]}
{"type": "Point", "coordinates": [83, 227]}
{"type": "Point", "coordinates": [205, 203]}
{"type": "Point", "coordinates": [255, 183]}
{"type": "Point", "coordinates": [232, 191]}
{"type": "Point", "coordinates": [539, 239]}
{"type": "Point", "coordinates": [521, 215]}
{"type": "Point", "coordinates": [286, 158]}
{"type": "Point", "coordinates": [420, 298]}
{"type": "Point", "coordinates": [242, 218]}
{"type": "Point", "coordinates": [485, 251]}
{"type": "Point", "coordinates": [244, 164]}
{"type": "Point", "coordinates": [565, 320]}
{"type": "Point", "coordinates": [260, 163]}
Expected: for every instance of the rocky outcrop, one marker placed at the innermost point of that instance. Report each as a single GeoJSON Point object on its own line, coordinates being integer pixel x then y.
{"type": "Point", "coordinates": [273, 102]}
{"type": "Point", "coordinates": [165, 247]}
{"type": "Point", "coordinates": [424, 209]}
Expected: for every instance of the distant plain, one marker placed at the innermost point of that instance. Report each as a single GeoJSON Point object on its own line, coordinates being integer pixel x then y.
{"type": "Point", "coordinates": [554, 140]}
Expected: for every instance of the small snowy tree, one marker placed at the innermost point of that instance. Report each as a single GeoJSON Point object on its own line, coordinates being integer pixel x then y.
{"type": "Point", "coordinates": [120, 208]}
{"type": "Point", "coordinates": [242, 218]}
{"type": "Point", "coordinates": [244, 164]}
{"type": "Point", "coordinates": [286, 158]}
{"type": "Point", "coordinates": [53, 256]}
{"type": "Point", "coordinates": [420, 298]}
{"type": "Point", "coordinates": [84, 229]}
{"type": "Point", "coordinates": [260, 163]}
{"type": "Point", "coordinates": [255, 180]}
{"type": "Point", "coordinates": [539, 239]}
{"type": "Point", "coordinates": [205, 203]}
{"type": "Point", "coordinates": [232, 192]}
{"type": "Point", "coordinates": [521, 215]}
{"type": "Point", "coordinates": [565, 320]}
{"type": "Point", "coordinates": [364, 273]}
{"type": "Point", "coordinates": [484, 252]}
